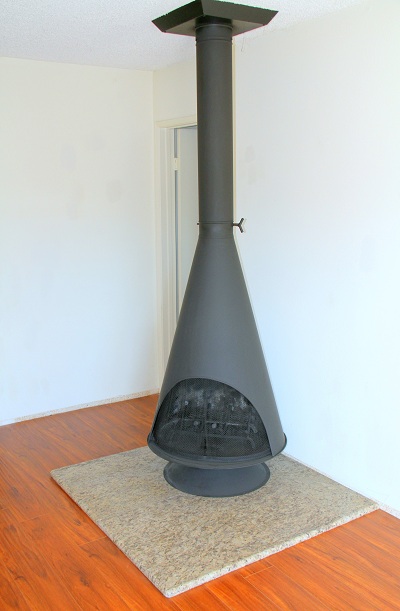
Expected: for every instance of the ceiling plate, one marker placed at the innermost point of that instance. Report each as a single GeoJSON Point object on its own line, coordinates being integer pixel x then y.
{"type": "Point", "coordinates": [243, 18]}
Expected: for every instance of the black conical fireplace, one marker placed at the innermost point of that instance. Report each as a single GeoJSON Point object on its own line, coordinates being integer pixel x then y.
{"type": "Point", "coordinates": [216, 422]}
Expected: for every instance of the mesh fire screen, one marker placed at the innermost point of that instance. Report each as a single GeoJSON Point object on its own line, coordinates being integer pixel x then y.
{"type": "Point", "coordinates": [201, 417]}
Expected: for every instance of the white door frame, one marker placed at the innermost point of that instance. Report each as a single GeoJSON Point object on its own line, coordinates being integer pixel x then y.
{"type": "Point", "coordinates": [165, 234]}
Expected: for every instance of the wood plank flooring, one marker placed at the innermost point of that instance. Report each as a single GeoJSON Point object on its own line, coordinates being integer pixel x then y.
{"type": "Point", "coordinates": [52, 557]}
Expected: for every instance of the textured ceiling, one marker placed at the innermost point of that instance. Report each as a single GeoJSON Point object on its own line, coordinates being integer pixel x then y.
{"type": "Point", "coordinates": [118, 33]}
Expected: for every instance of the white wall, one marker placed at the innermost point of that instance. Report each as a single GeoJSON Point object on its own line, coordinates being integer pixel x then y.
{"type": "Point", "coordinates": [77, 263]}
{"type": "Point", "coordinates": [318, 180]}
{"type": "Point", "coordinates": [175, 92]}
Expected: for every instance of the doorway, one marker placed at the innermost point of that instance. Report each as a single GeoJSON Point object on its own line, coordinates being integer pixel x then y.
{"type": "Point", "coordinates": [178, 229]}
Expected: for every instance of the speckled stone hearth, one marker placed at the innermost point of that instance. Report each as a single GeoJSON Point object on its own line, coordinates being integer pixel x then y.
{"type": "Point", "coordinates": [180, 541]}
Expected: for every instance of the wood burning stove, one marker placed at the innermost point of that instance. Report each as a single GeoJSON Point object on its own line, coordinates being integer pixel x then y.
{"type": "Point", "coordinates": [216, 421]}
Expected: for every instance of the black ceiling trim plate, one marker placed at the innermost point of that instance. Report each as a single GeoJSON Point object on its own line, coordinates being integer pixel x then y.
{"type": "Point", "coordinates": [243, 18]}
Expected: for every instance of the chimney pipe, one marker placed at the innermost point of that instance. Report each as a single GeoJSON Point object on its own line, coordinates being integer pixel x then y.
{"type": "Point", "coordinates": [215, 121]}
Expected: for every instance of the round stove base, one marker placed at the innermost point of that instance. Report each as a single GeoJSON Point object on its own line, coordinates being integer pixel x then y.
{"type": "Point", "coordinates": [216, 482]}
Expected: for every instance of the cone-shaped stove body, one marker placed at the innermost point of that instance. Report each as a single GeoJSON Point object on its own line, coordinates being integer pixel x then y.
{"type": "Point", "coordinates": [217, 420]}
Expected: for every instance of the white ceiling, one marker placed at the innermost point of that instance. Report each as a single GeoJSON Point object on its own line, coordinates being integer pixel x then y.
{"type": "Point", "coordinates": [119, 33]}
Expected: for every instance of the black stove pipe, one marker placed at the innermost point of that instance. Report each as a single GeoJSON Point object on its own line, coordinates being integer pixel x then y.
{"type": "Point", "coordinates": [215, 121]}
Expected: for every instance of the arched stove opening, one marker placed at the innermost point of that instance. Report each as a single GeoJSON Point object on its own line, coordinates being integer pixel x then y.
{"type": "Point", "coordinates": [208, 421]}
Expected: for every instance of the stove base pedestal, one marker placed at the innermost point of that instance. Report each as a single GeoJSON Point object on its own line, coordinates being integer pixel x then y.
{"type": "Point", "coordinates": [216, 482]}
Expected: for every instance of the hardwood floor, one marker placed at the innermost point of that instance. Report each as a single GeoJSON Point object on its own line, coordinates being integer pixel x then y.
{"type": "Point", "coordinates": [52, 557]}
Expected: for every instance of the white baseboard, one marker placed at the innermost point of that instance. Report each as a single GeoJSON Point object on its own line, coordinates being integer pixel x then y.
{"type": "Point", "coordinates": [135, 395]}
{"type": "Point", "coordinates": [391, 510]}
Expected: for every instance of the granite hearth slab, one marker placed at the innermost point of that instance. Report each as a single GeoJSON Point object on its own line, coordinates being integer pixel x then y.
{"type": "Point", "coordinates": [180, 541]}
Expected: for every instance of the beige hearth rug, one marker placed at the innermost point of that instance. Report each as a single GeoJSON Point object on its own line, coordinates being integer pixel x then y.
{"type": "Point", "coordinates": [180, 541]}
